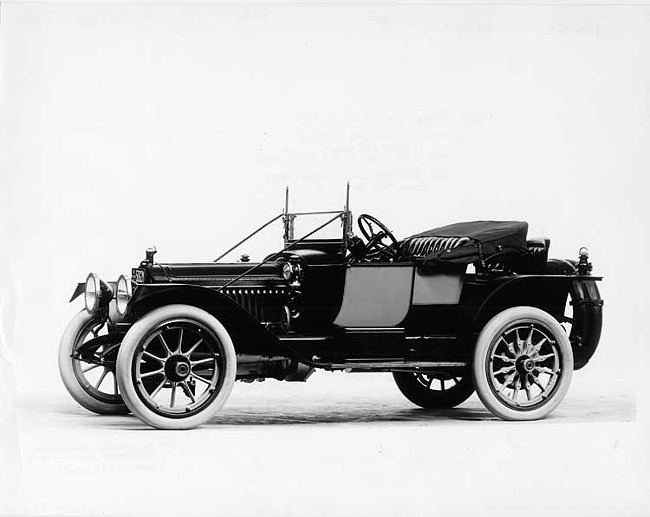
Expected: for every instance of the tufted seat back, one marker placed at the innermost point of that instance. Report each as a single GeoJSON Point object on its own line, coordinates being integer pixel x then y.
{"type": "Point", "coordinates": [422, 246]}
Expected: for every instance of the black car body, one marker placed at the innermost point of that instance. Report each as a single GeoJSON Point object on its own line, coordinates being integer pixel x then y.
{"type": "Point", "coordinates": [377, 304]}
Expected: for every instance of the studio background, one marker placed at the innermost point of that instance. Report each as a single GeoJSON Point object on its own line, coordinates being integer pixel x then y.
{"type": "Point", "coordinates": [126, 125]}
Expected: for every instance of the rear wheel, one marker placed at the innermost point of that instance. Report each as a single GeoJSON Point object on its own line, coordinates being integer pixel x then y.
{"type": "Point", "coordinates": [434, 390]}
{"type": "Point", "coordinates": [176, 367]}
{"type": "Point", "coordinates": [523, 364]}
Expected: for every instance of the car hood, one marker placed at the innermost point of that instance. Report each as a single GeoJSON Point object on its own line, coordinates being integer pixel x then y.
{"type": "Point", "coordinates": [218, 273]}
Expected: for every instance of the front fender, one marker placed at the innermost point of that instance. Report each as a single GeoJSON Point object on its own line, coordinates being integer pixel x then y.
{"type": "Point", "coordinates": [81, 287]}
{"type": "Point", "coordinates": [248, 334]}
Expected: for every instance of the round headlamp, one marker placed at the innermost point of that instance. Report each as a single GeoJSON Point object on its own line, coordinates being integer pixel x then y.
{"type": "Point", "coordinates": [92, 293]}
{"type": "Point", "coordinates": [97, 294]}
{"type": "Point", "coordinates": [287, 271]}
{"type": "Point", "coordinates": [583, 252]}
{"type": "Point", "coordinates": [123, 293]}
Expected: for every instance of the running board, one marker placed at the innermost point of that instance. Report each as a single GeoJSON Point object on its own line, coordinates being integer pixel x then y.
{"type": "Point", "coordinates": [396, 365]}
{"type": "Point", "coordinates": [305, 339]}
{"type": "Point", "coordinates": [433, 337]}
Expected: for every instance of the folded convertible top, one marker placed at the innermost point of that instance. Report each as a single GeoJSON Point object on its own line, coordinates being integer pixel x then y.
{"type": "Point", "coordinates": [464, 243]}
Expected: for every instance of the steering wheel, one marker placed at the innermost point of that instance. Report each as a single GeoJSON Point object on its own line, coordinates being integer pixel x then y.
{"type": "Point", "coordinates": [376, 248]}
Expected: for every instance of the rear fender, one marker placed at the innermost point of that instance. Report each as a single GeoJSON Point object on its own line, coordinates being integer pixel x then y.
{"type": "Point", "coordinates": [548, 293]}
{"type": "Point", "coordinates": [587, 321]}
{"type": "Point", "coordinates": [249, 335]}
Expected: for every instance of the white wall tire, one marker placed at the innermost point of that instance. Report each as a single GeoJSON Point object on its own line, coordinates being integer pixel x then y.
{"type": "Point", "coordinates": [176, 367]}
{"type": "Point", "coordinates": [523, 364]}
{"type": "Point", "coordinates": [103, 397]}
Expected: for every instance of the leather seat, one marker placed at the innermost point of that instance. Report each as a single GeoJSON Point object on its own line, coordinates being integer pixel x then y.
{"type": "Point", "coordinates": [422, 246]}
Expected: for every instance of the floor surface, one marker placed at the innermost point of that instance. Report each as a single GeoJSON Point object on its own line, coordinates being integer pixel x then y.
{"type": "Point", "coordinates": [339, 444]}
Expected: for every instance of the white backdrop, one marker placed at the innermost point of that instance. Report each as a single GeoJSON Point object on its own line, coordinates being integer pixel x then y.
{"type": "Point", "coordinates": [176, 125]}
{"type": "Point", "coordinates": [125, 125]}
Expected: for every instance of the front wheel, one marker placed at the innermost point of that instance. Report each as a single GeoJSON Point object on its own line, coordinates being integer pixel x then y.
{"type": "Point", "coordinates": [434, 390]}
{"type": "Point", "coordinates": [176, 367]}
{"type": "Point", "coordinates": [523, 364]}
{"type": "Point", "coordinates": [87, 365]}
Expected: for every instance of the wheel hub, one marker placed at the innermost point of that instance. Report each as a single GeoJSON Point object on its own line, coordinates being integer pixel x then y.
{"type": "Point", "coordinates": [524, 365]}
{"type": "Point", "coordinates": [177, 368]}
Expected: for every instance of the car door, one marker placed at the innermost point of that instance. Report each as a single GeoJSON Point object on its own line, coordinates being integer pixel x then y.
{"type": "Point", "coordinates": [375, 295]}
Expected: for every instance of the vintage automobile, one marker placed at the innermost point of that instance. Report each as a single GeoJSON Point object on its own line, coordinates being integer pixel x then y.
{"type": "Point", "coordinates": [168, 343]}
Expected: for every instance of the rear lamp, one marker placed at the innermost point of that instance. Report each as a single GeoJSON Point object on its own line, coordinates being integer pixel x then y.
{"type": "Point", "coordinates": [584, 266]}
{"type": "Point", "coordinates": [96, 294]}
{"type": "Point", "coordinates": [123, 293]}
